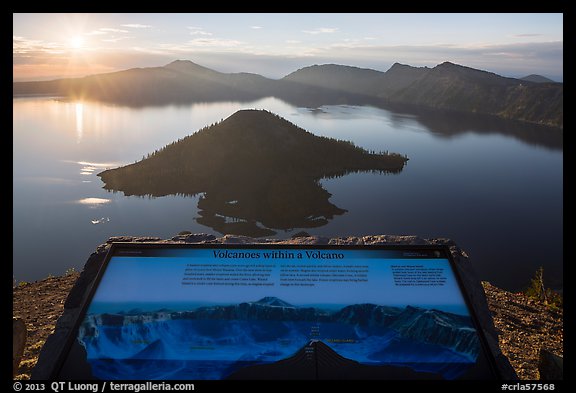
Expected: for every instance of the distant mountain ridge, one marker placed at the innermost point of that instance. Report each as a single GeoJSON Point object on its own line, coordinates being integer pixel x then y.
{"type": "Point", "coordinates": [454, 87]}
{"type": "Point", "coordinates": [356, 80]}
{"type": "Point", "coordinates": [180, 81]}
{"type": "Point", "coordinates": [447, 86]}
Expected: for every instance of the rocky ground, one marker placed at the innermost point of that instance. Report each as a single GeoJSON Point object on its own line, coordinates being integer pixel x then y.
{"type": "Point", "coordinates": [39, 304]}
{"type": "Point", "coordinates": [525, 325]}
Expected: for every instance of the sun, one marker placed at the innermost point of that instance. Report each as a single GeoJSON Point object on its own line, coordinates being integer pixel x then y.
{"type": "Point", "coordinates": [76, 42]}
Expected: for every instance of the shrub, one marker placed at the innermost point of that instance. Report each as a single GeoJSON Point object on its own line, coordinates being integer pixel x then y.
{"type": "Point", "coordinates": [538, 291]}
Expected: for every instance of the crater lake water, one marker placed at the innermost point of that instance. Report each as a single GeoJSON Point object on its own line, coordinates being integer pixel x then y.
{"type": "Point", "coordinates": [495, 189]}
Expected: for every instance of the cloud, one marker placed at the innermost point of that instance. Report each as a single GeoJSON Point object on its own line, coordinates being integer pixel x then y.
{"type": "Point", "coordinates": [194, 46]}
{"type": "Point", "coordinates": [106, 30]}
{"type": "Point", "coordinates": [151, 51]}
{"type": "Point", "coordinates": [115, 39]}
{"type": "Point", "coordinates": [112, 30]}
{"type": "Point", "coordinates": [23, 47]}
{"type": "Point", "coordinates": [256, 27]}
{"type": "Point", "coordinates": [200, 32]}
{"type": "Point", "coordinates": [97, 32]}
{"type": "Point", "coordinates": [136, 26]}
{"type": "Point", "coordinates": [526, 51]}
{"type": "Point", "coordinates": [213, 42]}
{"type": "Point", "coordinates": [293, 41]}
{"type": "Point", "coordinates": [195, 30]}
{"type": "Point", "coordinates": [321, 30]}
{"type": "Point", "coordinates": [527, 35]}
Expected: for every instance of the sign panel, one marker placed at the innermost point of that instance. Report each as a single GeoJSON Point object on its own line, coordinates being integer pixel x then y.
{"type": "Point", "coordinates": [218, 311]}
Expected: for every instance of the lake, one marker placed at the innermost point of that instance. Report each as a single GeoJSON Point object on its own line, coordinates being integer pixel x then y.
{"type": "Point", "coordinates": [493, 187]}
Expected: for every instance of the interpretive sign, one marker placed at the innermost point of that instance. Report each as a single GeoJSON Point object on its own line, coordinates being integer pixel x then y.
{"type": "Point", "coordinates": [220, 311]}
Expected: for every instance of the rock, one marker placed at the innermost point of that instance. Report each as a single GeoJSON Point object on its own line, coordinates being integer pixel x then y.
{"type": "Point", "coordinates": [550, 366]}
{"type": "Point", "coordinates": [193, 237]}
{"type": "Point", "coordinates": [19, 334]}
{"type": "Point", "coordinates": [55, 343]}
{"type": "Point", "coordinates": [140, 239]}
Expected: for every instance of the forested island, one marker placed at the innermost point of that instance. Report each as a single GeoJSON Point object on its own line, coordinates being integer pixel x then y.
{"type": "Point", "coordinates": [255, 172]}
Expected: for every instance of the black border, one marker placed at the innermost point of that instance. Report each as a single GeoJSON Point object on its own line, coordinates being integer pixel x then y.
{"type": "Point", "coordinates": [116, 246]}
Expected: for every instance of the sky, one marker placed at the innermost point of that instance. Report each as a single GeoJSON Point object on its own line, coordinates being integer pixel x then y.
{"type": "Point", "coordinates": [48, 46]}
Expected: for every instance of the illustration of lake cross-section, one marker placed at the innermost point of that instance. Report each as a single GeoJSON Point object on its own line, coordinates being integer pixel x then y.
{"type": "Point", "coordinates": [255, 173]}
{"type": "Point", "coordinates": [273, 339]}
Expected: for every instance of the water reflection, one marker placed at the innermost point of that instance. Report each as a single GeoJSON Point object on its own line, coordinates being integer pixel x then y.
{"type": "Point", "coordinates": [474, 181]}
{"type": "Point", "coordinates": [101, 220]}
{"type": "Point", "coordinates": [88, 168]}
{"type": "Point", "coordinates": [257, 206]}
{"type": "Point", "coordinates": [443, 123]}
{"type": "Point", "coordinates": [96, 165]}
{"type": "Point", "coordinates": [450, 124]}
{"type": "Point", "coordinates": [93, 201]}
{"type": "Point", "coordinates": [79, 121]}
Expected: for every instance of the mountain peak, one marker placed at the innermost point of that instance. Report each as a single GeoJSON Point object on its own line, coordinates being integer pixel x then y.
{"type": "Point", "coordinates": [186, 66]}
{"type": "Point", "coordinates": [447, 65]}
{"type": "Point", "coordinates": [537, 79]}
{"type": "Point", "coordinates": [181, 63]}
{"type": "Point", "coordinates": [400, 66]}
{"type": "Point", "coordinates": [273, 301]}
{"type": "Point", "coordinates": [248, 113]}
{"type": "Point", "coordinates": [472, 74]}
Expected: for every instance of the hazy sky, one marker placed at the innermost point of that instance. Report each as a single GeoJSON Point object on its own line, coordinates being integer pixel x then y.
{"type": "Point", "coordinates": [57, 45]}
